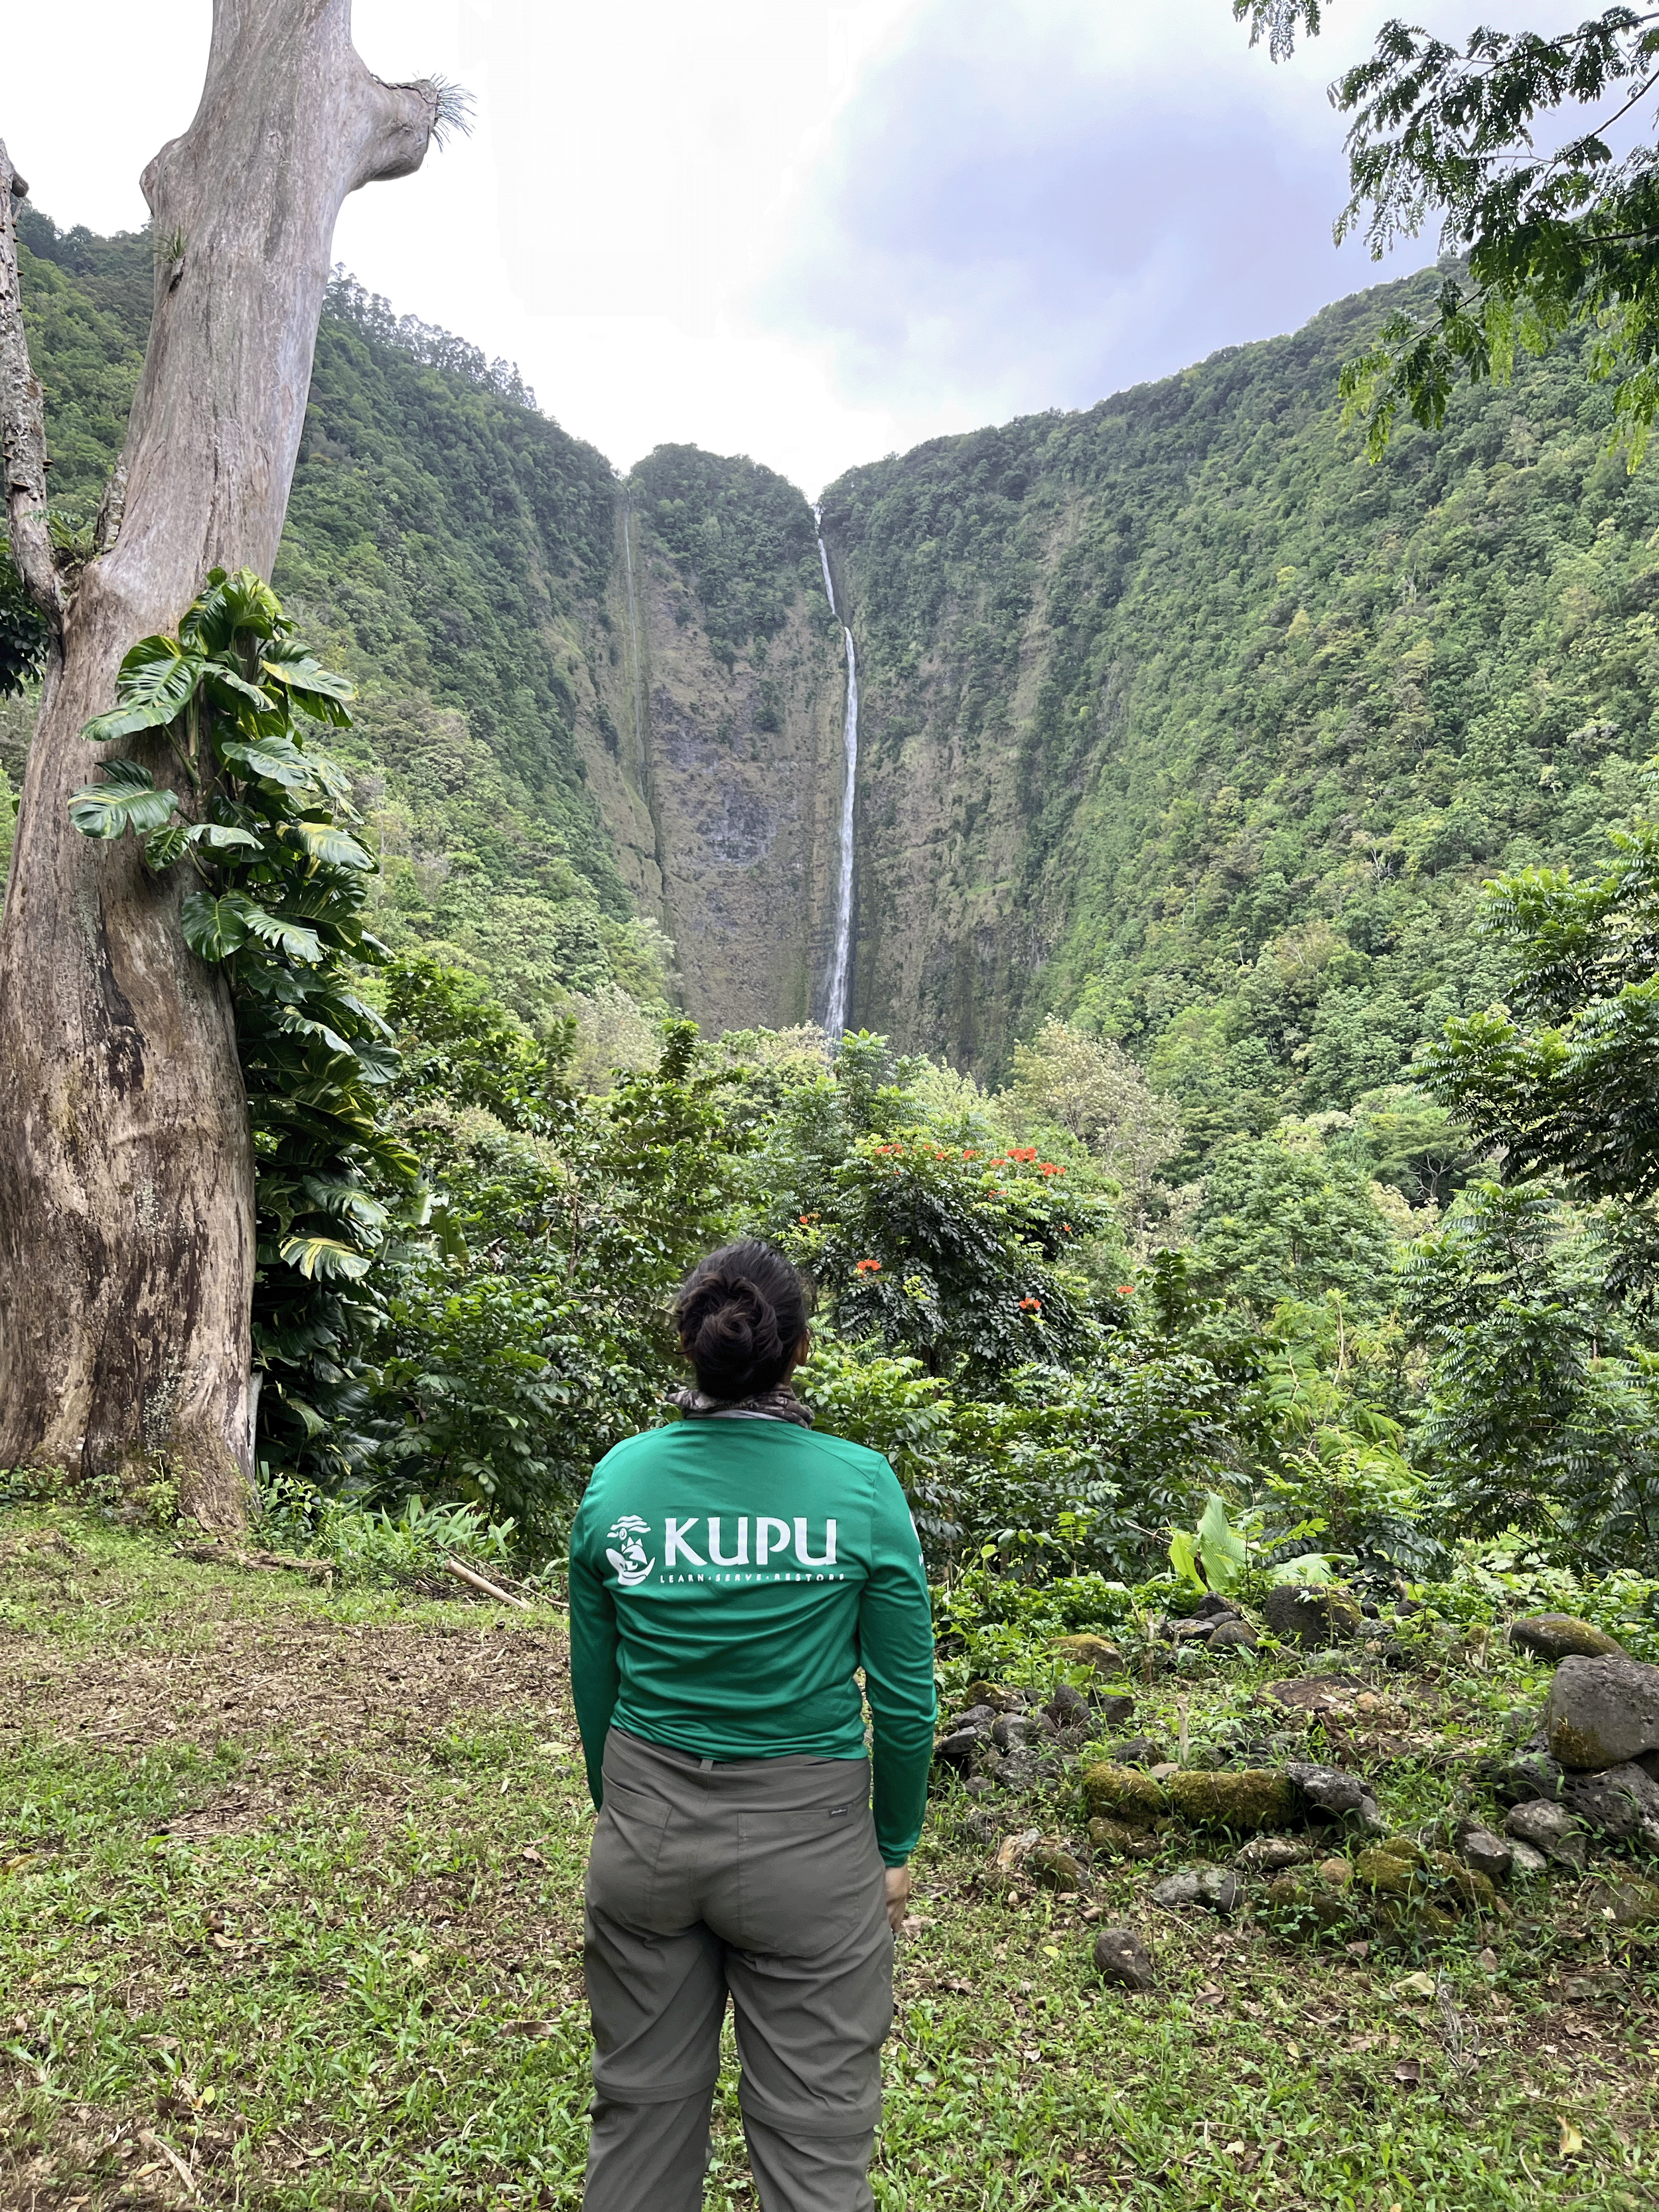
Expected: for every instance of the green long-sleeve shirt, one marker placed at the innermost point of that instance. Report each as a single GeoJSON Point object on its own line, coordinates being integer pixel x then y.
{"type": "Point", "coordinates": [728, 1577]}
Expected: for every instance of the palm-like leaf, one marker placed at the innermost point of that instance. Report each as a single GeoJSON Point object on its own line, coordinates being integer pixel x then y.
{"type": "Point", "coordinates": [126, 799]}
{"type": "Point", "coordinates": [214, 927]}
{"type": "Point", "coordinates": [275, 760]}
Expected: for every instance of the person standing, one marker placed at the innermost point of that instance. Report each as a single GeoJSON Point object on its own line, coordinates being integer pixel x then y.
{"type": "Point", "coordinates": [730, 1576]}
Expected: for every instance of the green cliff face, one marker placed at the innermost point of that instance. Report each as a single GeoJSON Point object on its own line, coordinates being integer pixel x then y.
{"type": "Point", "coordinates": [1177, 713]}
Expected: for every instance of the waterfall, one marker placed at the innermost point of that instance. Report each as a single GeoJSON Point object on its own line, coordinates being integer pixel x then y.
{"type": "Point", "coordinates": [841, 959]}
{"type": "Point", "coordinates": [634, 641]}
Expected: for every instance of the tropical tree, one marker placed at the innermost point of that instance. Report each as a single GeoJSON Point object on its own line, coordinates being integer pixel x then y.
{"type": "Point", "coordinates": [1545, 242]}
{"type": "Point", "coordinates": [127, 1242]}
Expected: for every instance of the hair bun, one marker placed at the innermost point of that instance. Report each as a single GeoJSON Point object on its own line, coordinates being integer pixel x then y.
{"type": "Point", "coordinates": [741, 1314]}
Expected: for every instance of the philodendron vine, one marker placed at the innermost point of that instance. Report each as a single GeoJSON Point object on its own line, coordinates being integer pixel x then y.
{"type": "Point", "coordinates": [263, 822]}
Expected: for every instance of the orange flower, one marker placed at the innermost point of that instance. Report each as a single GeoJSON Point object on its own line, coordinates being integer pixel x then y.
{"type": "Point", "coordinates": [867, 1268]}
{"type": "Point", "coordinates": [1030, 1305]}
{"type": "Point", "coordinates": [1126, 1290]}
{"type": "Point", "coordinates": [1047, 1167]}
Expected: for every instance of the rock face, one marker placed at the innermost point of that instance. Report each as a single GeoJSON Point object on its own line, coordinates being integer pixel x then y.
{"type": "Point", "coordinates": [1271, 1855]}
{"type": "Point", "coordinates": [1555, 1636]}
{"type": "Point", "coordinates": [1233, 1635]}
{"type": "Point", "coordinates": [1602, 1713]}
{"type": "Point", "coordinates": [1251, 1797]}
{"type": "Point", "coordinates": [719, 771]}
{"type": "Point", "coordinates": [1628, 1902]}
{"type": "Point", "coordinates": [1620, 1803]}
{"type": "Point", "coordinates": [1328, 1793]}
{"type": "Point", "coordinates": [1215, 1888]}
{"type": "Point", "coordinates": [1311, 1618]}
{"type": "Point", "coordinates": [1549, 1829]}
{"type": "Point", "coordinates": [1487, 1854]}
{"type": "Point", "coordinates": [1122, 1960]}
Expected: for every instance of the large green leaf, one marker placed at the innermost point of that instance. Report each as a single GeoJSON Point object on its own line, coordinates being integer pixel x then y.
{"type": "Point", "coordinates": [291, 938]}
{"type": "Point", "coordinates": [1220, 1546]}
{"type": "Point", "coordinates": [316, 689]}
{"type": "Point", "coordinates": [317, 1257]}
{"type": "Point", "coordinates": [214, 927]}
{"type": "Point", "coordinates": [223, 837]}
{"type": "Point", "coordinates": [230, 603]}
{"type": "Point", "coordinates": [126, 799]}
{"type": "Point", "coordinates": [326, 841]}
{"type": "Point", "coordinates": [157, 682]}
{"type": "Point", "coordinates": [162, 847]}
{"type": "Point", "coordinates": [270, 760]}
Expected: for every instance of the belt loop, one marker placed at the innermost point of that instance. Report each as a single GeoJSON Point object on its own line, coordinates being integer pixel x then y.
{"type": "Point", "coordinates": [706, 1765]}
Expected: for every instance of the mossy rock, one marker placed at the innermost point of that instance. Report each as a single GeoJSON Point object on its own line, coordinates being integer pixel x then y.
{"type": "Point", "coordinates": [1244, 1799]}
{"type": "Point", "coordinates": [1121, 1793]}
{"type": "Point", "coordinates": [1090, 1652]}
{"type": "Point", "coordinates": [1054, 1866]}
{"type": "Point", "coordinates": [1311, 1619]}
{"type": "Point", "coordinates": [1108, 1835]}
{"type": "Point", "coordinates": [1386, 1875]}
{"type": "Point", "coordinates": [1298, 1893]}
{"type": "Point", "coordinates": [1558, 1636]}
{"type": "Point", "coordinates": [1406, 1848]}
{"type": "Point", "coordinates": [1474, 1888]}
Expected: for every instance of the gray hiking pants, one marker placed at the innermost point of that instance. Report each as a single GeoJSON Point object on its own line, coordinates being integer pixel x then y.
{"type": "Point", "coordinates": [761, 1878]}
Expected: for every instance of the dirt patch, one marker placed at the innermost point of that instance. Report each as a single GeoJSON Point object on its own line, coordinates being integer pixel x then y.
{"type": "Point", "coordinates": [254, 1681]}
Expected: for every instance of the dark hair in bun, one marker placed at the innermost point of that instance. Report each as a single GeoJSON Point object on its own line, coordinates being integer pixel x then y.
{"type": "Point", "coordinates": [741, 1313]}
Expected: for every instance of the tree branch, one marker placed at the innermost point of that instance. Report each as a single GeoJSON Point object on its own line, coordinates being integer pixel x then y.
{"type": "Point", "coordinates": [23, 426]}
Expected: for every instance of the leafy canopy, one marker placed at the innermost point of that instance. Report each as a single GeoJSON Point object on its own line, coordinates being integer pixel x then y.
{"type": "Point", "coordinates": [1551, 240]}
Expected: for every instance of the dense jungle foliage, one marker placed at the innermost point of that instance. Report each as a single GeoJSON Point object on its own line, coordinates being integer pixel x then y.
{"type": "Point", "coordinates": [1202, 1235]}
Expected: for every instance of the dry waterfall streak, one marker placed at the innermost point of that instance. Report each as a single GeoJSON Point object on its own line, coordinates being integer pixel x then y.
{"type": "Point", "coordinates": [634, 641]}
{"type": "Point", "coordinates": [841, 961]}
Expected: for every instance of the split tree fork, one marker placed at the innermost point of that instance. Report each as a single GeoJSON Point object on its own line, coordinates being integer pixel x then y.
{"type": "Point", "coordinates": [126, 1170]}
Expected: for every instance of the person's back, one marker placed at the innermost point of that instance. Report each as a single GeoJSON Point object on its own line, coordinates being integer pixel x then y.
{"type": "Point", "coordinates": [729, 1576]}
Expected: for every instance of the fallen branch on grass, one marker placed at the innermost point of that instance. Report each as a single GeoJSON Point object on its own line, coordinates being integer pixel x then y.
{"type": "Point", "coordinates": [489, 1589]}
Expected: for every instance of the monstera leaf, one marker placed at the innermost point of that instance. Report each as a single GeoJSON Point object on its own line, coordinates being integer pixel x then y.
{"type": "Point", "coordinates": [157, 682]}
{"type": "Point", "coordinates": [126, 799]}
{"type": "Point", "coordinates": [318, 691]}
{"type": "Point", "coordinates": [325, 1256]}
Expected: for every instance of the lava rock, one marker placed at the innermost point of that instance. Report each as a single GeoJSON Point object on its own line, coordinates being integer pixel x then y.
{"type": "Point", "coordinates": [1091, 1651]}
{"type": "Point", "coordinates": [1055, 1867]}
{"type": "Point", "coordinates": [1556, 1635]}
{"type": "Point", "coordinates": [1271, 1855]}
{"type": "Point", "coordinates": [1626, 1900]}
{"type": "Point", "coordinates": [1196, 1629]}
{"type": "Point", "coordinates": [1526, 1774]}
{"type": "Point", "coordinates": [1311, 1618]}
{"type": "Point", "coordinates": [991, 1694]}
{"type": "Point", "coordinates": [1551, 1829]}
{"type": "Point", "coordinates": [1331, 1794]}
{"type": "Point", "coordinates": [1067, 1708]}
{"type": "Point", "coordinates": [1215, 1888]}
{"type": "Point", "coordinates": [1014, 1731]}
{"type": "Point", "coordinates": [960, 1748]}
{"type": "Point", "coordinates": [1139, 1751]}
{"type": "Point", "coordinates": [975, 1716]}
{"type": "Point", "coordinates": [1335, 1874]}
{"type": "Point", "coordinates": [1248, 1797]}
{"type": "Point", "coordinates": [1621, 1804]}
{"type": "Point", "coordinates": [1111, 1708]}
{"type": "Point", "coordinates": [1527, 1859]}
{"type": "Point", "coordinates": [1123, 1961]}
{"type": "Point", "coordinates": [1486, 1853]}
{"type": "Point", "coordinates": [1214, 1607]}
{"type": "Point", "coordinates": [1234, 1635]}
{"type": "Point", "coordinates": [1116, 1839]}
{"type": "Point", "coordinates": [1602, 1713]}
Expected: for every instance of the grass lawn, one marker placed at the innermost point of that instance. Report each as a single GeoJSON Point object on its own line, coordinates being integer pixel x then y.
{"type": "Point", "coordinates": [290, 1916]}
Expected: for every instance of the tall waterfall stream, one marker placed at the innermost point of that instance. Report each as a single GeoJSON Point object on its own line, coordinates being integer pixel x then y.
{"type": "Point", "coordinates": [841, 959]}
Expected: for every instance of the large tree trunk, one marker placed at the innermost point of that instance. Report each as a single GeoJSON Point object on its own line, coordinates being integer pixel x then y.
{"type": "Point", "coordinates": [126, 1171]}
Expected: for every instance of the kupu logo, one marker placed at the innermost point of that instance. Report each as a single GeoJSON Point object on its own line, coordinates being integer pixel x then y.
{"type": "Point", "coordinates": [631, 1565]}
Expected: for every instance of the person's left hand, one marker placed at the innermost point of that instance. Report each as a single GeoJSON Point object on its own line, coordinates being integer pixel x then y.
{"type": "Point", "coordinates": [899, 1896]}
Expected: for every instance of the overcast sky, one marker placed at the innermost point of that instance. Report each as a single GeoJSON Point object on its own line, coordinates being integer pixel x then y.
{"type": "Point", "coordinates": [811, 233]}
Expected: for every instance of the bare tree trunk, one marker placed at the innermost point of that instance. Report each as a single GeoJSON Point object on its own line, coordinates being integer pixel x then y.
{"type": "Point", "coordinates": [126, 1171]}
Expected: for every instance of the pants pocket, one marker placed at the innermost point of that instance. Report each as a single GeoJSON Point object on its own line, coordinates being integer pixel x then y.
{"type": "Point", "coordinates": [804, 1878]}
{"type": "Point", "coordinates": [622, 1865]}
